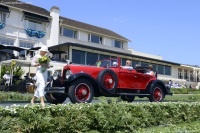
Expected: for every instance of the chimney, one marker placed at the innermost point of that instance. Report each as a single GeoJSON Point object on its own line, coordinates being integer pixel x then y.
{"type": "Point", "coordinates": [54, 30]}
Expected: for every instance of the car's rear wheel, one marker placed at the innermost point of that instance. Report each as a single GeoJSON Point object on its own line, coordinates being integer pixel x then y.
{"type": "Point", "coordinates": [128, 98]}
{"type": "Point", "coordinates": [108, 80]}
{"type": "Point", "coordinates": [55, 98]}
{"type": "Point", "coordinates": [81, 91]}
{"type": "Point", "coordinates": [156, 94]}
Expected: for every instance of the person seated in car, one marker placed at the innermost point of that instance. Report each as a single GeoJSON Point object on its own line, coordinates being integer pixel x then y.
{"type": "Point", "coordinates": [150, 70]}
{"type": "Point", "coordinates": [128, 65]}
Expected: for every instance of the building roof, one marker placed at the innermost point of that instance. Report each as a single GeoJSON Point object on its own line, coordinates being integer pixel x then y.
{"type": "Point", "coordinates": [66, 21]}
{"type": "Point", "coordinates": [88, 27]}
{"type": "Point", "coordinates": [26, 7]}
{"type": "Point", "coordinates": [114, 52]}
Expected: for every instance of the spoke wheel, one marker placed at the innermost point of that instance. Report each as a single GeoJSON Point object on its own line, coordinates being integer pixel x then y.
{"type": "Point", "coordinates": [108, 81]}
{"type": "Point", "coordinates": [55, 98]}
{"type": "Point", "coordinates": [81, 91]}
{"type": "Point", "coordinates": [157, 94]}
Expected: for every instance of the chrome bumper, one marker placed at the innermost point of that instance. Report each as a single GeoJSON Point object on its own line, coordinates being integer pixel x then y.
{"type": "Point", "coordinates": [54, 89]}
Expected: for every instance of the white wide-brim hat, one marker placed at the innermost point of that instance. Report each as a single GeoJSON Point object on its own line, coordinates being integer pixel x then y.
{"type": "Point", "coordinates": [44, 48]}
{"type": "Point", "coordinates": [7, 72]}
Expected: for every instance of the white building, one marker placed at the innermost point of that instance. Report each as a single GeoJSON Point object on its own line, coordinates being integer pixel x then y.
{"type": "Point", "coordinates": [30, 26]}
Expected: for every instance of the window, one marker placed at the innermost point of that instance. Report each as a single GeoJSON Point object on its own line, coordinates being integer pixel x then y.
{"type": "Point", "coordinates": [91, 58]}
{"type": "Point", "coordinates": [94, 39]}
{"type": "Point", "coordinates": [167, 70]}
{"type": "Point", "coordinates": [69, 33]}
{"type": "Point", "coordinates": [123, 61]}
{"type": "Point", "coordinates": [160, 69]}
{"type": "Point", "coordinates": [144, 64]}
{"type": "Point", "coordinates": [34, 25]}
{"type": "Point", "coordinates": [135, 62]}
{"type": "Point", "coordinates": [154, 67]}
{"type": "Point", "coordinates": [26, 44]}
{"type": "Point", "coordinates": [103, 57]}
{"type": "Point", "coordinates": [191, 75]}
{"type": "Point", "coordinates": [6, 41]}
{"type": "Point", "coordinates": [185, 74]}
{"type": "Point", "coordinates": [2, 17]}
{"type": "Point", "coordinates": [78, 57]}
{"type": "Point", "coordinates": [117, 44]}
{"type": "Point", "coordinates": [179, 73]}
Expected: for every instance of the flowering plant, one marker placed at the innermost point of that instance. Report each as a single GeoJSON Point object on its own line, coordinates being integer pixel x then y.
{"type": "Point", "coordinates": [43, 61]}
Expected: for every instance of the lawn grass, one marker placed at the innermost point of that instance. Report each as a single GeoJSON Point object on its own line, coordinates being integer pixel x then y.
{"type": "Point", "coordinates": [192, 127]}
{"type": "Point", "coordinates": [178, 97]}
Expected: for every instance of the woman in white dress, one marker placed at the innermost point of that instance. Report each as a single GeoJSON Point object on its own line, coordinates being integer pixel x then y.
{"type": "Point", "coordinates": [41, 76]}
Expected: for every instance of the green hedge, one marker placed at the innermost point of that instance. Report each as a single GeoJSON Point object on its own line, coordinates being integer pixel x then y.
{"type": "Point", "coordinates": [101, 117]}
{"type": "Point", "coordinates": [185, 91]}
{"type": "Point", "coordinates": [15, 96]}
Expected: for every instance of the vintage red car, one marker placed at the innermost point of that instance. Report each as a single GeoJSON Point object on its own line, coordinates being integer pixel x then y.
{"type": "Point", "coordinates": [108, 78]}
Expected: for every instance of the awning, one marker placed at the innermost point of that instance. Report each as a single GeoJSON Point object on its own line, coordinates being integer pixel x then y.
{"type": "Point", "coordinates": [4, 9]}
{"type": "Point", "coordinates": [111, 51]}
{"type": "Point", "coordinates": [36, 17]}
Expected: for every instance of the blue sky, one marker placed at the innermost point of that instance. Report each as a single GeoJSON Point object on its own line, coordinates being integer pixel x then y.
{"type": "Point", "coordinates": [169, 28]}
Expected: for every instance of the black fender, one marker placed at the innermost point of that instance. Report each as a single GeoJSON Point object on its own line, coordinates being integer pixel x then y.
{"type": "Point", "coordinates": [80, 75]}
{"type": "Point", "coordinates": [161, 83]}
{"type": "Point", "coordinates": [85, 75]}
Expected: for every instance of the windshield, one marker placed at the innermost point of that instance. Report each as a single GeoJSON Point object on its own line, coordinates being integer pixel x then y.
{"type": "Point", "coordinates": [107, 63]}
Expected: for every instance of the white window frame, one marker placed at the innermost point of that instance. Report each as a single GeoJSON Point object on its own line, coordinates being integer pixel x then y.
{"type": "Point", "coordinates": [2, 17]}
{"type": "Point", "coordinates": [75, 33]}
{"type": "Point", "coordinates": [28, 21]}
{"type": "Point", "coordinates": [90, 38]}
{"type": "Point", "coordinates": [121, 43]}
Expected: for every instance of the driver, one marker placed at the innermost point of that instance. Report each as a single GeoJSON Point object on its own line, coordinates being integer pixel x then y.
{"type": "Point", "coordinates": [128, 65]}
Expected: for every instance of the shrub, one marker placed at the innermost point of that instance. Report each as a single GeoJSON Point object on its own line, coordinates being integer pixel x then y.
{"type": "Point", "coordinates": [101, 117]}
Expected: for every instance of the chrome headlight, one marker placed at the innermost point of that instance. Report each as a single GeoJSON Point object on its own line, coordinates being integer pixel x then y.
{"type": "Point", "coordinates": [55, 75]}
{"type": "Point", "coordinates": [68, 73]}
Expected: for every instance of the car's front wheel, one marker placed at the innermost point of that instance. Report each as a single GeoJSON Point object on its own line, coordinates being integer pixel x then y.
{"type": "Point", "coordinates": [81, 91]}
{"type": "Point", "coordinates": [55, 98]}
{"type": "Point", "coordinates": [128, 98]}
{"type": "Point", "coordinates": [156, 94]}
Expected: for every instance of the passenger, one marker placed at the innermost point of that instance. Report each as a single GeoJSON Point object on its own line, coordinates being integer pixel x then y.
{"type": "Point", "coordinates": [150, 70]}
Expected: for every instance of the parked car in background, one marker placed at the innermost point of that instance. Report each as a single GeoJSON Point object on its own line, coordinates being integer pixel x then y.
{"type": "Point", "coordinates": [108, 78]}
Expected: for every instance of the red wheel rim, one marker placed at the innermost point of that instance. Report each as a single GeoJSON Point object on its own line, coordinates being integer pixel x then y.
{"type": "Point", "coordinates": [108, 81]}
{"type": "Point", "coordinates": [82, 92]}
{"type": "Point", "coordinates": [157, 94]}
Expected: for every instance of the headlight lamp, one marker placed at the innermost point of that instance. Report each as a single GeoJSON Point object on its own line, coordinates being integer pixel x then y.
{"type": "Point", "coordinates": [68, 73]}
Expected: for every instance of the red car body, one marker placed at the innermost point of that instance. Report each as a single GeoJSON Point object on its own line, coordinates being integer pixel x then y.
{"type": "Point", "coordinates": [80, 83]}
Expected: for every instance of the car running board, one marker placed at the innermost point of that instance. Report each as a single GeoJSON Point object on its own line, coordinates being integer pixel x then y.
{"type": "Point", "coordinates": [55, 89]}
{"type": "Point", "coordinates": [132, 94]}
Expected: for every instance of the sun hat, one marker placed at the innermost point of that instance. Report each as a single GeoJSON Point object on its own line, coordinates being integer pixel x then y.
{"type": "Point", "coordinates": [44, 48]}
{"type": "Point", "coordinates": [7, 72]}
{"type": "Point", "coordinates": [150, 66]}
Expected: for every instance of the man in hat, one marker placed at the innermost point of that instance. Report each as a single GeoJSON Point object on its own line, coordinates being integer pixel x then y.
{"type": "Point", "coordinates": [41, 76]}
{"type": "Point", "coordinates": [150, 70]}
